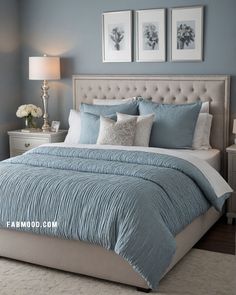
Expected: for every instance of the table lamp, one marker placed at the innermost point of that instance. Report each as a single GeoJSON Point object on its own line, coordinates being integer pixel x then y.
{"type": "Point", "coordinates": [44, 68]}
{"type": "Point", "coordinates": [234, 130]}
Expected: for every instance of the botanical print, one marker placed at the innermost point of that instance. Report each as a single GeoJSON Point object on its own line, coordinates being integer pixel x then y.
{"type": "Point", "coordinates": [150, 36]}
{"type": "Point", "coordinates": [116, 37]}
{"type": "Point", "coordinates": [186, 35]}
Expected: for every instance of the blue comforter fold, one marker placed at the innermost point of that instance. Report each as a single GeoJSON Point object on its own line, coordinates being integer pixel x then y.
{"type": "Point", "coordinates": [131, 202]}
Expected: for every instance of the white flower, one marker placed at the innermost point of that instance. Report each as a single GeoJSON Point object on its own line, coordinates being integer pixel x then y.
{"type": "Point", "coordinates": [29, 110]}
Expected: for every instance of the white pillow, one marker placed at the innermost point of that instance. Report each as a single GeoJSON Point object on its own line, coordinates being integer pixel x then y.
{"type": "Point", "coordinates": [73, 134]}
{"type": "Point", "coordinates": [201, 137]}
{"type": "Point", "coordinates": [110, 102]}
{"type": "Point", "coordinates": [205, 108]}
{"type": "Point", "coordinates": [143, 128]}
{"type": "Point", "coordinates": [116, 133]}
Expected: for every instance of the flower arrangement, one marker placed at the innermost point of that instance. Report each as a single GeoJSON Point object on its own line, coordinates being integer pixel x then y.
{"type": "Point", "coordinates": [117, 35]}
{"type": "Point", "coordinates": [29, 112]}
{"type": "Point", "coordinates": [185, 35]}
{"type": "Point", "coordinates": [151, 35]}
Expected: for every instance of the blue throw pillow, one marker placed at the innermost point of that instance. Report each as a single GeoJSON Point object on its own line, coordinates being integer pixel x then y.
{"type": "Point", "coordinates": [174, 125]}
{"type": "Point", "coordinates": [90, 125]}
{"type": "Point", "coordinates": [130, 108]}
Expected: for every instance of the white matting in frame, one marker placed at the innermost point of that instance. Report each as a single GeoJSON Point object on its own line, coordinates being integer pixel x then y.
{"type": "Point", "coordinates": [187, 34]}
{"type": "Point", "coordinates": [116, 36]}
{"type": "Point", "coordinates": [151, 35]}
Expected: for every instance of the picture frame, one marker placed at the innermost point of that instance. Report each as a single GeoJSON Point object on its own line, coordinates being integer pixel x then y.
{"type": "Point", "coordinates": [55, 126]}
{"type": "Point", "coordinates": [187, 33]}
{"type": "Point", "coordinates": [117, 36]}
{"type": "Point", "coordinates": [151, 35]}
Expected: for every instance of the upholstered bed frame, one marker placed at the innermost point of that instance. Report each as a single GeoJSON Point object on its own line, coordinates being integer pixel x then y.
{"type": "Point", "coordinates": [84, 258]}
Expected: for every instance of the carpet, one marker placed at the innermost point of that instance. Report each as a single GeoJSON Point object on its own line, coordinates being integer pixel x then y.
{"type": "Point", "coordinates": [198, 273]}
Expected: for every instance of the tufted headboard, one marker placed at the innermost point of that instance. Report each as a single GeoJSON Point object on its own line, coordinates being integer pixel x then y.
{"type": "Point", "coordinates": [165, 89]}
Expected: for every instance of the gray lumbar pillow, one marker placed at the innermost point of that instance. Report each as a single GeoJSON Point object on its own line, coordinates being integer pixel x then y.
{"type": "Point", "coordinates": [117, 133]}
{"type": "Point", "coordinates": [143, 127]}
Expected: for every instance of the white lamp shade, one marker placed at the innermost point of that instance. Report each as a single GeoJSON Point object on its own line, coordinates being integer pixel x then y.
{"type": "Point", "coordinates": [44, 68]}
{"type": "Point", "coordinates": [234, 127]}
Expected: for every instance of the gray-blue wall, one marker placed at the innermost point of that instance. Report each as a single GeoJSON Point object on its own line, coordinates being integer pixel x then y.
{"type": "Point", "coordinates": [9, 71]}
{"type": "Point", "coordinates": [72, 30]}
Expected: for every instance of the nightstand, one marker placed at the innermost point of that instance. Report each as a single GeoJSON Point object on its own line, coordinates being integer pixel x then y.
{"type": "Point", "coordinates": [231, 205]}
{"type": "Point", "coordinates": [21, 142]}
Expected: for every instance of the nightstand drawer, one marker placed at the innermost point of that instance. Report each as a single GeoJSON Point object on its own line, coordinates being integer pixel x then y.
{"type": "Point", "coordinates": [234, 163]}
{"type": "Point", "coordinates": [232, 180]}
{"type": "Point", "coordinates": [21, 142]}
{"type": "Point", "coordinates": [25, 144]}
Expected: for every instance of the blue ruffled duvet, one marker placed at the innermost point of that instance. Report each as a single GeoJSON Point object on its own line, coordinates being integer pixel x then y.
{"type": "Point", "coordinates": [131, 202]}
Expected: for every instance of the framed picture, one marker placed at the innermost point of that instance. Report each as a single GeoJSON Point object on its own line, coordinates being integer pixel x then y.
{"type": "Point", "coordinates": [55, 126]}
{"type": "Point", "coordinates": [151, 35]}
{"type": "Point", "coordinates": [187, 34]}
{"type": "Point", "coordinates": [116, 36]}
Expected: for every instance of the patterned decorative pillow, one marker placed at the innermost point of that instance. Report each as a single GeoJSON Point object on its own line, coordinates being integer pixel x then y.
{"type": "Point", "coordinates": [117, 133]}
{"type": "Point", "coordinates": [143, 128]}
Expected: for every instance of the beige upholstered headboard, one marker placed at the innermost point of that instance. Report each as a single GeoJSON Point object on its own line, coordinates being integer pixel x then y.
{"type": "Point", "coordinates": [165, 89]}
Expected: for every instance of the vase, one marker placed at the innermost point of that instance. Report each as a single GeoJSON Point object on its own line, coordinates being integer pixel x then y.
{"type": "Point", "coordinates": [29, 122]}
{"type": "Point", "coordinates": [180, 44]}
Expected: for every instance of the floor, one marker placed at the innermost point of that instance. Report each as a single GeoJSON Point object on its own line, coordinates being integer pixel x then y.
{"type": "Point", "coordinates": [200, 272]}
{"type": "Point", "coordinates": [220, 238]}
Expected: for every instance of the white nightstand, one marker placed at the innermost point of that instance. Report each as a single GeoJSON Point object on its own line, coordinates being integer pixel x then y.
{"type": "Point", "coordinates": [231, 205]}
{"type": "Point", "coordinates": [21, 142]}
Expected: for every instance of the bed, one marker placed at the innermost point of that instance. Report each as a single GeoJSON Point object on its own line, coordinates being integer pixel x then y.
{"type": "Point", "coordinates": [88, 259]}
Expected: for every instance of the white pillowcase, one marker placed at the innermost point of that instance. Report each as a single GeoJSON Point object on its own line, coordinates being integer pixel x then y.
{"type": "Point", "coordinates": [205, 108]}
{"type": "Point", "coordinates": [110, 102]}
{"type": "Point", "coordinates": [143, 128]}
{"type": "Point", "coordinates": [117, 133]}
{"type": "Point", "coordinates": [201, 138]}
{"type": "Point", "coordinates": [73, 134]}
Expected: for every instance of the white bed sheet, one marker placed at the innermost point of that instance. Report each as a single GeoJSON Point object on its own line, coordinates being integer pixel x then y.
{"type": "Point", "coordinates": [212, 156]}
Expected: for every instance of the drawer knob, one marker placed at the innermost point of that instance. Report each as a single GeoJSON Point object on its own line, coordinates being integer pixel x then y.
{"type": "Point", "coordinates": [27, 145]}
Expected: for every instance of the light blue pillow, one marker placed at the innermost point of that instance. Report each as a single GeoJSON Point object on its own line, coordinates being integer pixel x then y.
{"type": "Point", "coordinates": [130, 108]}
{"type": "Point", "coordinates": [174, 125]}
{"type": "Point", "coordinates": [90, 125]}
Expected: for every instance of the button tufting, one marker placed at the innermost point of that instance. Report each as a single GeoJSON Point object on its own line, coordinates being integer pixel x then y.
{"type": "Point", "coordinates": [100, 88]}
{"type": "Point", "coordinates": [186, 99]}
{"type": "Point", "coordinates": [135, 88]}
{"type": "Point", "coordinates": [174, 98]}
{"type": "Point", "coordinates": [127, 89]}
{"type": "Point", "coordinates": [95, 96]}
{"type": "Point", "coordinates": [145, 88]}
{"type": "Point", "coordinates": [156, 88]}
{"type": "Point", "coordinates": [192, 89]}
{"type": "Point", "coordinates": [167, 89]}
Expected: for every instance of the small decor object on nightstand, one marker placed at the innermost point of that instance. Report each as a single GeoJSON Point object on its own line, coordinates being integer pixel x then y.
{"type": "Point", "coordinates": [55, 126]}
{"type": "Point", "coordinates": [29, 112]}
{"type": "Point", "coordinates": [234, 130]}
